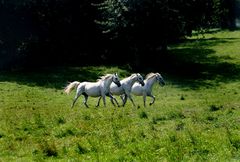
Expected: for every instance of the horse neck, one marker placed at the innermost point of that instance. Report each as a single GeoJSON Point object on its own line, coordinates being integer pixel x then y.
{"type": "Point", "coordinates": [130, 81]}
{"type": "Point", "coordinates": [107, 82]}
{"type": "Point", "coordinates": [150, 82]}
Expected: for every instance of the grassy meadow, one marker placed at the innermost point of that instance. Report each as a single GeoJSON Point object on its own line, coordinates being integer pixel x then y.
{"type": "Point", "coordinates": [196, 115]}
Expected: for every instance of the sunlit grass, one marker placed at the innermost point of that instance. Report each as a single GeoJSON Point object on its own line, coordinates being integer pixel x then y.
{"type": "Point", "coordinates": [227, 48]}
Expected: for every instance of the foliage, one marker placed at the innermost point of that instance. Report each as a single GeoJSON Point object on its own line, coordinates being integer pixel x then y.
{"type": "Point", "coordinates": [156, 20]}
{"type": "Point", "coordinates": [143, 26]}
{"type": "Point", "coordinates": [62, 32]}
{"type": "Point", "coordinates": [48, 32]}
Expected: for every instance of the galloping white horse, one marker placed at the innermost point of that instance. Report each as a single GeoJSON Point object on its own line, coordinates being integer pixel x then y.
{"type": "Point", "coordinates": [146, 90]}
{"type": "Point", "coordinates": [94, 89]}
{"type": "Point", "coordinates": [125, 88]}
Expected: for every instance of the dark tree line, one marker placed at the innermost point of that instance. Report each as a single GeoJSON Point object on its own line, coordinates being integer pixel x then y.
{"type": "Point", "coordinates": [92, 32]}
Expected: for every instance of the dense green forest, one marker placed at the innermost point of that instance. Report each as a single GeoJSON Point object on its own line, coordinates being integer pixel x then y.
{"type": "Point", "coordinates": [37, 33]}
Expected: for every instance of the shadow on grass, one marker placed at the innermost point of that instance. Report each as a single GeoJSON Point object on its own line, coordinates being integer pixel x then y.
{"type": "Point", "coordinates": [56, 77]}
{"type": "Point", "coordinates": [192, 64]}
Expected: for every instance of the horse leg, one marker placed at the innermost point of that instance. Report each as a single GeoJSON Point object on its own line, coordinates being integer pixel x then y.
{"type": "Point", "coordinates": [113, 98]}
{"type": "Point", "coordinates": [153, 99]}
{"type": "Point", "coordinates": [74, 100]}
{"type": "Point", "coordinates": [85, 99]}
{"type": "Point", "coordinates": [104, 100]}
{"type": "Point", "coordinates": [116, 101]}
{"type": "Point", "coordinates": [98, 101]}
{"type": "Point", "coordinates": [78, 93]}
{"type": "Point", "coordinates": [144, 100]}
{"type": "Point", "coordinates": [124, 99]}
{"type": "Point", "coordinates": [130, 97]}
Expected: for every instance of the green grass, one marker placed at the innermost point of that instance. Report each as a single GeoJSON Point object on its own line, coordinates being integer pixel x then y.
{"type": "Point", "coordinates": [196, 116]}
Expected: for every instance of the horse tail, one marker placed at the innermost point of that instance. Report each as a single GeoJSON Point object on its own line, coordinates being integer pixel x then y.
{"type": "Point", "coordinates": [71, 86]}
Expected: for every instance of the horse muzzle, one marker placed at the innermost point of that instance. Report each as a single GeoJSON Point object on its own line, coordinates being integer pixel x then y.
{"type": "Point", "coordinates": [162, 83]}
{"type": "Point", "coordinates": [142, 83]}
{"type": "Point", "coordinates": [118, 84]}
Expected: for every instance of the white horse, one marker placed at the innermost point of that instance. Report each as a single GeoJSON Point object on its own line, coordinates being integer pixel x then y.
{"type": "Point", "coordinates": [93, 89]}
{"type": "Point", "coordinates": [146, 90]}
{"type": "Point", "coordinates": [125, 88]}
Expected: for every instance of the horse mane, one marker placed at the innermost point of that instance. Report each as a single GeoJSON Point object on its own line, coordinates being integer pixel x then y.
{"type": "Point", "coordinates": [149, 76]}
{"type": "Point", "coordinates": [133, 75]}
{"type": "Point", "coordinates": [104, 77]}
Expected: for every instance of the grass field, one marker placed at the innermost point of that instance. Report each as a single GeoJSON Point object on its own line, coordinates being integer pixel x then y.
{"type": "Point", "coordinates": [196, 116]}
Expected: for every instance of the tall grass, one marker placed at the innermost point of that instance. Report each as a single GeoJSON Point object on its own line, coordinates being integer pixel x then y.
{"type": "Point", "coordinates": [193, 118]}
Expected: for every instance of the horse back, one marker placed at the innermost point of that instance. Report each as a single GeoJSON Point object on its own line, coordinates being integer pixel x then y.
{"type": "Point", "coordinates": [92, 89]}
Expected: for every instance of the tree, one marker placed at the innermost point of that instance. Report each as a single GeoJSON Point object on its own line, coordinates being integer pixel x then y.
{"type": "Point", "coordinates": [110, 31]}
{"type": "Point", "coordinates": [147, 26]}
{"type": "Point", "coordinates": [49, 32]}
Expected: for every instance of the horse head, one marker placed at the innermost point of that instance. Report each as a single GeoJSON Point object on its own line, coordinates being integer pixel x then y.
{"type": "Point", "coordinates": [116, 79]}
{"type": "Point", "coordinates": [160, 79]}
{"type": "Point", "coordinates": [140, 79]}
